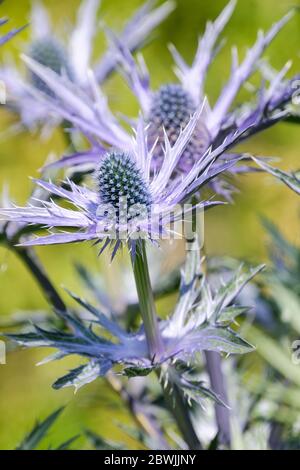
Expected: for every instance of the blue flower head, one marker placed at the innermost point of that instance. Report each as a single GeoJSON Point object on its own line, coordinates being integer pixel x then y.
{"type": "Point", "coordinates": [50, 53]}
{"type": "Point", "coordinates": [168, 110]}
{"type": "Point", "coordinates": [128, 201]}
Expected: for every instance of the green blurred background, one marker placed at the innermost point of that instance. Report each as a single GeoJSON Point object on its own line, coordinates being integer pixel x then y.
{"type": "Point", "coordinates": [235, 230]}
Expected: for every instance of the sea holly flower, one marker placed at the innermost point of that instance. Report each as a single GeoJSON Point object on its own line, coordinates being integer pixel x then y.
{"type": "Point", "coordinates": [128, 202]}
{"type": "Point", "coordinates": [63, 57]}
{"type": "Point", "coordinates": [201, 321]}
{"type": "Point", "coordinates": [90, 113]}
{"type": "Point", "coordinates": [154, 106]}
{"type": "Point", "coordinates": [168, 110]}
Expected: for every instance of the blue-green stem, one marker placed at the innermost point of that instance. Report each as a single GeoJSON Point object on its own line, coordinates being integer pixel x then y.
{"type": "Point", "coordinates": [172, 393]}
{"type": "Point", "coordinates": [218, 383]}
{"type": "Point", "coordinates": [146, 300]}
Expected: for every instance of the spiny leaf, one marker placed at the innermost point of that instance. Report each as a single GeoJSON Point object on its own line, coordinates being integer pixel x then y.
{"type": "Point", "coordinates": [214, 443]}
{"type": "Point", "coordinates": [224, 340]}
{"type": "Point", "coordinates": [101, 444]}
{"type": "Point", "coordinates": [278, 240]}
{"type": "Point", "coordinates": [231, 289]}
{"type": "Point", "coordinates": [78, 326]}
{"type": "Point", "coordinates": [196, 391]}
{"type": "Point", "coordinates": [228, 314]}
{"type": "Point", "coordinates": [94, 284]}
{"type": "Point", "coordinates": [83, 375]}
{"type": "Point", "coordinates": [277, 356]}
{"type": "Point", "coordinates": [31, 441]}
{"type": "Point", "coordinates": [105, 322]}
{"type": "Point", "coordinates": [137, 371]}
{"type": "Point", "coordinates": [290, 179]}
{"type": "Point", "coordinates": [66, 445]}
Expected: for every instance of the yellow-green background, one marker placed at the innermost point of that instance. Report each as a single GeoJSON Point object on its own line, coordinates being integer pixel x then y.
{"type": "Point", "coordinates": [25, 391]}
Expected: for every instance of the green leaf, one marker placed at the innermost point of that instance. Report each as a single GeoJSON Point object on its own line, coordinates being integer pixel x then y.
{"type": "Point", "coordinates": [282, 245]}
{"type": "Point", "coordinates": [95, 285]}
{"type": "Point", "coordinates": [40, 430]}
{"type": "Point", "coordinates": [229, 314]}
{"type": "Point", "coordinates": [293, 119]}
{"type": "Point", "coordinates": [273, 352]}
{"type": "Point", "coordinates": [224, 340]}
{"type": "Point", "coordinates": [214, 443]}
{"type": "Point", "coordinates": [288, 303]}
{"type": "Point", "coordinates": [207, 393]}
{"type": "Point", "coordinates": [103, 320]}
{"type": "Point", "coordinates": [99, 443]}
{"type": "Point", "coordinates": [194, 390]}
{"type": "Point", "coordinates": [137, 371]}
{"type": "Point", "coordinates": [66, 445]}
{"type": "Point", "coordinates": [82, 375]}
{"type": "Point", "coordinates": [227, 293]}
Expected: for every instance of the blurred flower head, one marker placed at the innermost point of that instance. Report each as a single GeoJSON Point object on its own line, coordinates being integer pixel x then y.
{"type": "Point", "coordinates": [64, 58]}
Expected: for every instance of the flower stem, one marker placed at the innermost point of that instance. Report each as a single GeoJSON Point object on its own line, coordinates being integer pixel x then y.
{"type": "Point", "coordinates": [34, 266]}
{"type": "Point", "coordinates": [143, 420]}
{"type": "Point", "coordinates": [177, 406]}
{"type": "Point", "coordinates": [218, 384]}
{"type": "Point", "coordinates": [172, 393]}
{"type": "Point", "coordinates": [146, 300]}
